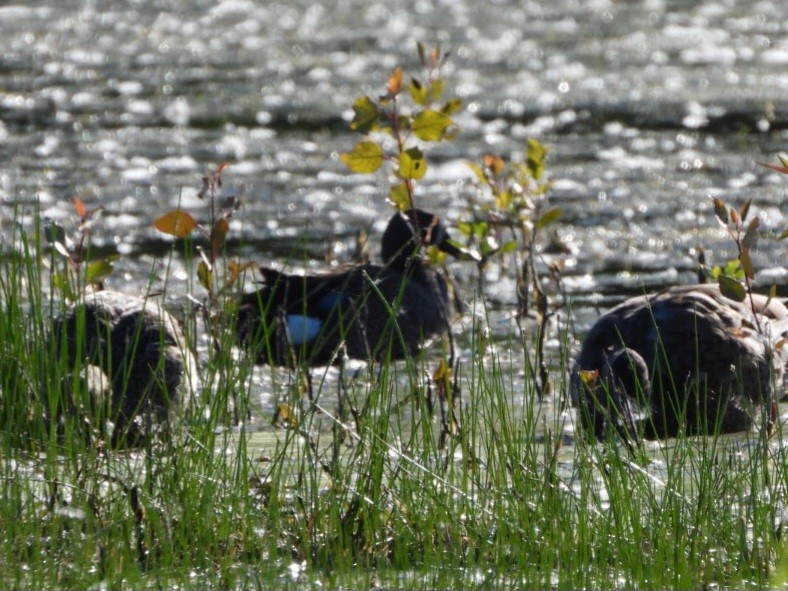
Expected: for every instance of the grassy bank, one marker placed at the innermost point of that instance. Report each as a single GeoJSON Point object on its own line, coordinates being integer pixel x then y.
{"type": "Point", "coordinates": [377, 490]}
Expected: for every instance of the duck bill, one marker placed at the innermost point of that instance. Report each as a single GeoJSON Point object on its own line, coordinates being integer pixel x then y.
{"type": "Point", "coordinates": [460, 253]}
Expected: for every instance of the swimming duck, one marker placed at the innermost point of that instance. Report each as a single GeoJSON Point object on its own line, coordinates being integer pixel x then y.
{"type": "Point", "coordinates": [375, 311]}
{"type": "Point", "coordinates": [687, 359]}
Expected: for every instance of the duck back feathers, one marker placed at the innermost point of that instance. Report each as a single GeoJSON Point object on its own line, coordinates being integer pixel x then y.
{"type": "Point", "coordinates": [701, 363]}
{"type": "Point", "coordinates": [373, 311]}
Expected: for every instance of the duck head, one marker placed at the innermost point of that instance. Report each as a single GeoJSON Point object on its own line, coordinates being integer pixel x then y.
{"type": "Point", "coordinates": [409, 231]}
{"type": "Point", "coordinates": [618, 394]}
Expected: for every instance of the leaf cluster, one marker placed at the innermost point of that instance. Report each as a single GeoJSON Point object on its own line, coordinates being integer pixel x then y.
{"type": "Point", "coordinates": [511, 195]}
{"type": "Point", "coordinates": [180, 224]}
{"type": "Point", "coordinates": [735, 276]}
{"type": "Point", "coordinates": [413, 112]}
{"type": "Point", "coordinates": [80, 270]}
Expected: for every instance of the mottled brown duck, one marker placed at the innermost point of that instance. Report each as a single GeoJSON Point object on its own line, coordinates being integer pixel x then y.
{"type": "Point", "coordinates": [685, 360]}
{"type": "Point", "coordinates": [132, 356]}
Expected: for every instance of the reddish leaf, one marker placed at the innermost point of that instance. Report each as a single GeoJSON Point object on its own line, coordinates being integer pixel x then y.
{"type": "Point", "coordinates": [394, 85]}
{"type": "Point", "coordinates": [218, 235]}
{"type": "Point", "coordinates": [745, 209]}
{"type": "Point", "coordinates": [775, 167]}
{"type": "Point", "coordinates": [79, 207]}
{"type": "Point", "coordinates": [495, 164]}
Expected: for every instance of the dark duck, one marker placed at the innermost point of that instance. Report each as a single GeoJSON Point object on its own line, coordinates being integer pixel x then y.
{"type": "Point", "coordinates": [375, 312]}
{"type": "Point", "coordinates": [685, 360]}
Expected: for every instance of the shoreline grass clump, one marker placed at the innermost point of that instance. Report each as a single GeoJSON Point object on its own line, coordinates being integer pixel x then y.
{"type": "Point", "coordinates": [512, 500]}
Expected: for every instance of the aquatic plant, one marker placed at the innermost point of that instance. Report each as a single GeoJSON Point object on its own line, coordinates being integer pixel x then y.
{"type": "Point", "coordinates": [508, 215]}
{"type": "Point", "coordinates": [410, 113]}
{"type": "Point", "coordinates": [80, 269]}
{"type": "Point", "coordinates": [414, 113]}
{"type": "Point", "coordinates": [218, 281]}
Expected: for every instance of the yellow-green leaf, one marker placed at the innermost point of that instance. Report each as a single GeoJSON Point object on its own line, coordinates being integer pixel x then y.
{"type": "Point", "coordinates": [451, 106]}
{"type": "Point", "coordinates": [478, 171]}
{"type": "Point", "coordinates": [436, 89]}
{"type": "Point", "coordinates": [412, 164]}
{"type": "Point", "coordinates": [418, 92]}
{"type": "Point", "coordinates": [430, 126]}
{"type": "Point", "coordinates": [366, 157]}
{"type": "Point", "coordinates": [400, 197]}
{"type": "Point", "coordinates": [205, 275]}
{"type": "Point", "coordinates": [96, 271]}
{"type": "Point", "coordinates": [176, 223]}
{"type": "Point", "coordinates": [475, 229]}
{"type": "Point", "coordinates": [366, 115]}
{"type": "Point", "coordinates": [548, 217]}
{"type": "Point", "coordinates": [731, 288]}
{"type": "Point", "coordinates": [783, 236]}
{"type": "Point", "coordinates": [535, 157]}
{"type": "Point", "coordinates": [435, 255]}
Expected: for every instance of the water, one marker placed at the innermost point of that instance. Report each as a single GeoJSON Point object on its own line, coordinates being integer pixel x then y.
{"type": "Point", "coordinates": [648, 108]}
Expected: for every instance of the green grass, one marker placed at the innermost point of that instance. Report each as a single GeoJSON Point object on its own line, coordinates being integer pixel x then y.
{"type": "Point", "coordinates": [368, 492]}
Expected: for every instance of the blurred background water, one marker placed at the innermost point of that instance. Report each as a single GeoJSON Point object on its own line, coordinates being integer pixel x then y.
{"type": "Point", "coordinates": [647, 108]}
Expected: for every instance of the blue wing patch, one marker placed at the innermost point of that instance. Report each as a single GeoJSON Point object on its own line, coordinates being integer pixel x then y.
{"type": "Point", "coordinates": [302, 329]}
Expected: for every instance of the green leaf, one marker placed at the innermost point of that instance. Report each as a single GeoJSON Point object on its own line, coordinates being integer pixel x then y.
{"type": "Point", "coordinates": [366, 157]}
{"type": "Point", "coordinates": [205, 275]}
{"type": "Point", "coordinates": [535, 158]}
{"type": "Point", "coordinates": [436, 89]}
{"type": "Point", "coordinates": [783, 236]}
{"type": "Point", "coordinates": [96, 271]}
{"type": "Point", "coordinates": [63, 286]}
{"type": "Point", "coordinates": [412, 164]}
{"type": "Point", "coordinates": [481, 176]}
{"type": "Point", "coordinates": [400, 197]}
{"type": "Point", "coordinates": [510, 246]}
{"type": "Point", "coordinates": [366, 115]}
{"type": "Point", "coordinates": [451, 106]}
{"type": "Point", "coordinates": [750, 240]}
{"type": "Point", "coordinates": [548, 217]}
{"type": "Point", "coordinates": [176, 223]}
{"type": "Point", "coordinates": [733, 269]}
{"type": "Point", "coordinates": [746, 264]}
{"type": "Point", "coordinates": [731, 288]}
{"type": "Point", "coordinates": [418, 92]}
{"type": "Point", "coordinates": [430, 126]}
{"type": "Point", "coordinates": [475, 229]}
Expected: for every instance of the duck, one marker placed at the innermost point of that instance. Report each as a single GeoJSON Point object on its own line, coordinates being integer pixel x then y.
{"type": "Point", "coordinates": [371, 312]}
{"type": "Point", "coordinates": [686, 360]}
{"type": "Point", "coordinates": [132, 359]}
